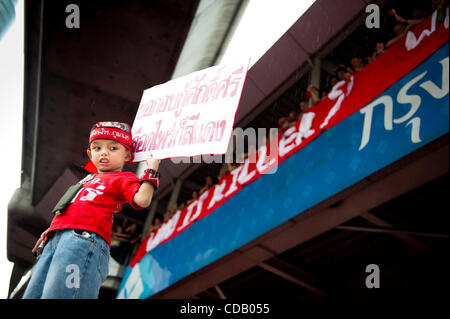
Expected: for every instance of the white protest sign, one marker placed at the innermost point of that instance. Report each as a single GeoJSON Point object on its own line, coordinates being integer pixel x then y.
{"type": "Point", "coordinates": [191, 115]}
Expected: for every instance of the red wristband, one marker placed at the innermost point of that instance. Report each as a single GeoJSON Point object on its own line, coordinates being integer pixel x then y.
{"type": "Point", "coordinates": [151, 176]}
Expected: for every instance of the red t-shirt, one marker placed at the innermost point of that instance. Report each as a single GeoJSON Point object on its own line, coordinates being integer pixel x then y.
{"type": "Point", "coordinates": [101, 196]}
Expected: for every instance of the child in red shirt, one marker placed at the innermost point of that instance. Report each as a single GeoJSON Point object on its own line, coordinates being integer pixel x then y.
{"type": "Point", "coordinates": [74, 262]}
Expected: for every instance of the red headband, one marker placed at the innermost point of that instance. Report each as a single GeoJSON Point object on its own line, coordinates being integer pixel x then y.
{"type": "Point", "coordinates": [116, 131]}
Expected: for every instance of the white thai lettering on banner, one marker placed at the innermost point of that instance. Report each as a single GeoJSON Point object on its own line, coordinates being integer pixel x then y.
{"type": "Point", "coordinates": [268, 162]}
{"type": "Point", "coordinates": [198, 204]}
{"type": "Point", "coordinates": [261, 164]}
{"type": "Point", "coordinates": [217, 194]}
{"type": "Point", "coordinates": [304, 129]}
{"type": "Point", "coordinates": [233, 187]}
{"type": "Point", "coordinates": [413, 99]}
{"type": "Point", "coordinates": [412, 42]}
{"type": "Point", "coordinates": [404, 98]}
{"type": "Point", "coordinates": [434, 90]}
{"type": "Point", "coordinates": [339, 94]}
{"type": "Point", "coordinates": [187, 217]}
{"type": "Point", "coordinates": [368, 112]}
{"type": "Point", "coordinates": [157, 238]}
{"type": "Point", "coordinates": [292, 134]}
{"type": "Point", "coordinates": [245, 175]}
{"type": "Point", "coordinates": [164, 232]}
{"type": "Point", "coordinates": [288, 136]}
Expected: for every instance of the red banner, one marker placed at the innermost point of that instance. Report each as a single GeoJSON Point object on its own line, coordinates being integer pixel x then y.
{"type": "Point", "coordinates": [346, 98]}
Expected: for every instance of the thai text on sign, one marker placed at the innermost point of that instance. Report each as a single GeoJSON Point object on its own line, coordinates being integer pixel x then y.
{"type": "Point", "coordinates": [191, 115]}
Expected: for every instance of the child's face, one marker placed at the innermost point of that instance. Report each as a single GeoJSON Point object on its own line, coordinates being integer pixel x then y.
{"type": "Point", "coordinates": [108, 155]}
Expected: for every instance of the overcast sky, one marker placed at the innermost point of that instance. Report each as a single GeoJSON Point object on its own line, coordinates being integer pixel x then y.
{"type": "Point", "coordinates": [263, 22]}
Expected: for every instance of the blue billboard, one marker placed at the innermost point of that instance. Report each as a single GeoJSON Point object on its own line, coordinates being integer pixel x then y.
{"type": "Point", "coordinates": [408, 115]}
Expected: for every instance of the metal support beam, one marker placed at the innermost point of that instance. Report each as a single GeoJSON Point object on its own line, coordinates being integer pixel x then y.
{"type": "Point", "coordinates": [174, 195]}
{"type": "Point", "coordinates": [391, 231]}
{"type": "Point", "coordinates": [38, 104]}
{"type": "Point", "coordinates": [413, 242]}
{"type": "Point", "coordinates": [150, 217]}
{"type": "Point", "coordinates": [219, 292]}
{"type": "Point", "coordinates": [315, 77]}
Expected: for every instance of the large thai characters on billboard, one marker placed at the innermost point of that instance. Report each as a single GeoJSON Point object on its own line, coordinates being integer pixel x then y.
{"type": "Point", "coordinates": [190, 115]}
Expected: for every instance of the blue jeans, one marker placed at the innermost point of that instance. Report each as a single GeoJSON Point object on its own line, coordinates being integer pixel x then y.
{"type": "Point", "coordinates": [72, 265]}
